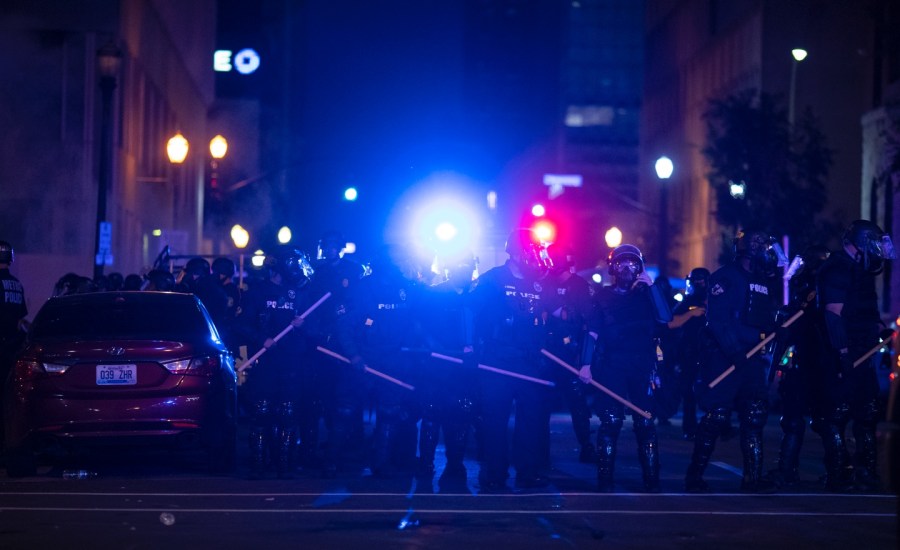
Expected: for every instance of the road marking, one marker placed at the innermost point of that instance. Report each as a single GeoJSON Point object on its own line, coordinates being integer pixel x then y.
{"type": "Point", "coordinates": [828, 496]}
{"type": "Point", "coordinates": [778, 513]}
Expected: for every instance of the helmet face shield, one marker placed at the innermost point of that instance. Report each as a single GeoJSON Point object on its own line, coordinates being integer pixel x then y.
{"type": "Point", "coordinates": [873, 246]}
{"type": "Point", "coordinates": [883, 248]}
{"type": "Point", "coordinates": [525, 248]}
{"type": "Point", "coordinates": [625, 263]}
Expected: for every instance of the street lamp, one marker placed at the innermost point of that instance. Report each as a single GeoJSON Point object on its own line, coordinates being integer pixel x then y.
{"type": "Point", "coordinates": [664, 168]}
{"type": "Point", "coordinates": [177, 148]}
{"type": "Point", "coordinates": [109, 58]}
{"type": "Point", "coordinates": [799, 55]}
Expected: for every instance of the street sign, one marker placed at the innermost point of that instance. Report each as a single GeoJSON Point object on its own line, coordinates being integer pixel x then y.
{"type": "Point", "coordinates": [104, 245]}
{"type": "Point", "coordinates": [558, 182]}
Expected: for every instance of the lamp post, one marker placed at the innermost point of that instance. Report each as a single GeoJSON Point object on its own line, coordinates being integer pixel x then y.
{"type": "Point", "coordinates": [109, 58]}
{"type": "Point", "coordinates": [664, 169]}
{"type": "Point", "coordinates": [799, 55]}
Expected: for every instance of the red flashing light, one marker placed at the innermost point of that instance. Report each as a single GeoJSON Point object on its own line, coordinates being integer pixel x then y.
{"type": "Point", "coordinates": [545, 230]}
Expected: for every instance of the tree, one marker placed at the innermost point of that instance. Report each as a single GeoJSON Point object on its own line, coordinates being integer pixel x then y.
{"type": "Point", "coordinates": [750, 143]}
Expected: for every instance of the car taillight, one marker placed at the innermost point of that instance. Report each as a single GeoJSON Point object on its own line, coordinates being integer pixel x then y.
{"type": "Point", "coordinates": [198, 366]}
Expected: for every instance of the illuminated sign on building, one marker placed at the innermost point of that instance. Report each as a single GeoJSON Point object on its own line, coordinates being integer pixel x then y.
{"type": "Point", "coordinates": [245, 61]}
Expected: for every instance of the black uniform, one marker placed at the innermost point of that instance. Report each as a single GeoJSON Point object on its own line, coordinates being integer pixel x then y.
{"type": "Point", "coordinates": [509, 326]}
{"type": "Point", "coordinates": [276, 383]}
{"type": "Point", "coordinates": [741, 313]}
{"type": "Point", "coordinates": [447, 389]}
{"type": "Point", "coordinates": [797, 358]}
{"type": "Point", "coordinates": [340, 390]}
{"type": "Point", "coordinates": [626, 325]}
{"type": "Point", "coordinates": [841, 392]}
{"type": "Point", "coordinates": [686, 355]}
{"type": "Point", "coordinates": [568, 299]}
{"type": "Point", "coordinates": [381, 324]}
{"type": "Point", "coordinates": [12, 312]}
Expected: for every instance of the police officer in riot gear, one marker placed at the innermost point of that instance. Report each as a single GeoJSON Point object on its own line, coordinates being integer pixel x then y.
{"type": "Point", "coordinates": [687, 340]}
{"type": "Point", "coordinates": [339, 391]}
{"type": "Point", "coordinates": [796, 358]}
{"type": "Point", "coordinates": [381, 324]}
{"type": "Point", "coordinates": [13, 311]}
{"type": "Point", "coordinates": [570, 302]}
{"type": "Point", "coordinates": [277, 381]}
{"type": "Point", "coordinates": [850, 323]}
{"type": "Point", "coordinates": [741, 312]}
{"type": "Point", "coordinates": [620, 353]}
{"type": "Point", "coordinates": [446, 389]}
{"type": "Point", "coordinates": [509, 327]}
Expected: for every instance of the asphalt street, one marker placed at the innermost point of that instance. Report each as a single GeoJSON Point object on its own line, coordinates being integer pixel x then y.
{"type": "Point", "coordinates": [154, 500]}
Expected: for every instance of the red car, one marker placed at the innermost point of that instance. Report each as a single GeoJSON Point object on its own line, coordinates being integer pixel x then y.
{"type": "Point", "coordinates": [121, 368]}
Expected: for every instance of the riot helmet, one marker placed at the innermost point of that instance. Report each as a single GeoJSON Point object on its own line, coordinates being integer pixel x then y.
{"type": "Point", "coordinates": [697, 282]}
{"type": "Point", "coordinates": [292, 265]}
{"type": "Point", "coordinates": [331, 244]}
{"type": "Point", "coordinates": [223, 267]}
{"type": "Point", "coordinates": [197, 267]}
{"type": "Point", "coordinates": [625, 263]}
{"type": "Point", "coordinates": [6, 253]}
{"type": "Point", "coordinates": [526, 248]}
{"type": "Point", "coordinates": [873, 246]}
{"type": "Point", "coordinates": [762, 250]}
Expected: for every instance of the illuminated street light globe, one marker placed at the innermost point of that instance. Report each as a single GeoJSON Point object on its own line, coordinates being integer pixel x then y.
{"type": "Point", "coordinates": [177, 148]}
{"type": "Point", "coordinates": [799, 54]}
{"type": "Point", "coordinates": [258, 259]}
{"type": "Point", "coordinates": [664, 168]}
{"type": "Point", "coordinates": [538, 210]}
{"type": "Point", "coordinates": [240, 236]}
{"type": "Point", "coordinates": [613, 237]}
{"type": "Point", "coordinates": [218, 146]}
{"type": "Point", "coordinates": [737, 190]}
{"type": "Point", "coordinates": [351, 194]}
{"type": "Point", "coordinates": [284, 235]}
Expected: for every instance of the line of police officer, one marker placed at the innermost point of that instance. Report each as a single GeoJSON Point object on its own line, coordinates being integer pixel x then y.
{"type": "Point", "coordinates": [435, 337]}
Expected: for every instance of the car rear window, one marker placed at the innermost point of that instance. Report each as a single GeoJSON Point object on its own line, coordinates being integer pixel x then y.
{"type": "Point", "coordinates": [136, 317]}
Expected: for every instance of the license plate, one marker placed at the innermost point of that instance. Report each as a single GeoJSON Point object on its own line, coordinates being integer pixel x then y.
{"type": "Point", "coordinates": [116, 375]}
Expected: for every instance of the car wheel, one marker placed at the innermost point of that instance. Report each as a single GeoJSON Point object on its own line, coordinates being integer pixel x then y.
{"type": "Point", "coordinates": [20, 463]}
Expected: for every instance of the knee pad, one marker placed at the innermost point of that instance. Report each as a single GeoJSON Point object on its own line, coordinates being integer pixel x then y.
{"type": "Point", "coordinates": [755, 414]}
{"type": "Point", "coordinates": [838, 415]}
{"type": "Point", "coordinates": [610, 422]}
{"type": "Point", "coordinates": [716, 419]}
